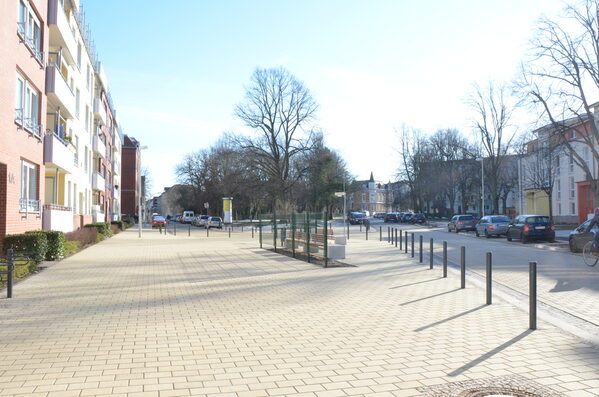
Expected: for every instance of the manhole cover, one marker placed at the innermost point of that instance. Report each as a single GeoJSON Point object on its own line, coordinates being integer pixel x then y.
{"type": "Point", "coordinates": [503, 386]}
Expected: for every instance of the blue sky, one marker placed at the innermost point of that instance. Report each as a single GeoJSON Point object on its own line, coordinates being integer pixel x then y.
{"type": "Point", "coordinates": [177, 69]}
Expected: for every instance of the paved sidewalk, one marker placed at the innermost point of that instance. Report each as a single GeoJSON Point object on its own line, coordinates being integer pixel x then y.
{"type": "Point", "coordinates": [191, 316]}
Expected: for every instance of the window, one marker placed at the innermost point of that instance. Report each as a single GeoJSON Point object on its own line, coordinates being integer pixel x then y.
{"type": "Point", "coordinates": [77, 103]}
{"type": "Point", "coordinates": [572, 208]}
{"type": "Point", "coordinates": [559, 189]}
{"type": "Point", "coordinates": [79, 55]}
{"type": "Point", "coordinates": [572, 187]}
{"type": "Point", "coordinates": [559, 208]}
{"type": "Point", "coordinates": [69, 194]}
{"type": "Point", "coordinates": [89, 79]}
{"type": "Point", "coordinates": [557, 165]}
{"type": "Point", "coordinates": [573, 134]}
{"type": "Point", "coordinates": [87, 118]}
{"type": "Point", "coordinates": [29, 201]}
{"type": "Point", "coordinates": [86, 163]}
{"type": "Point", "coordinates": [27, 106]}
{"type": "Point", "coordinates": [28, 27]}
{"type": "Point", "coordinates": [571, 163]}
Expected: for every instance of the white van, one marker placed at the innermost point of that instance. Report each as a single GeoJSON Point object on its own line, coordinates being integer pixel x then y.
{"type": "Point", "coordinates": [188, 217]}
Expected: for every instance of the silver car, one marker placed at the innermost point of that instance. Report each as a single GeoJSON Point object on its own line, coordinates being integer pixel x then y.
{"type": "Point", "coordinates": [461, 222]}
{"type": "Point", "coordinates": [492, 225]}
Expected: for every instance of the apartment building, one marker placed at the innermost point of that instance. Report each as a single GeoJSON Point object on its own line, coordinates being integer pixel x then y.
{"type": "Point", "coordinates": [24, 43]}
{"type": "Point", "coordinates": [80, 142]}
{"type": "Point", "coordinates": [371, 196]}
{"type": "Point", "coordinates": [130, 178]}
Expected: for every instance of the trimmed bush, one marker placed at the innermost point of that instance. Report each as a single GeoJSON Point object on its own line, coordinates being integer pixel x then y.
{"type": "Point", "coordinates": [114, 229]}
{"type": "Point", "coordinates": [84, 236]}
{"type": "Point", "coordinates": [119, 224]}
{"type": "Point", "coordinates": [103, 229]}
{"type": "Point", "coordinates": [56, 241]}
{"type": "Point", "coordinates": [35, 242]}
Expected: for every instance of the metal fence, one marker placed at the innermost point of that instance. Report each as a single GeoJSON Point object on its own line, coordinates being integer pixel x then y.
{"type": "Point", "coordinates": [302, 235]}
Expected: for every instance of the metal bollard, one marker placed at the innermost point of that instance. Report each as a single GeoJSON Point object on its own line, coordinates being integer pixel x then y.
{"type": "Point", "coordinates": [489, 278]}
{"type": "Point", "coordinates": [444, 258]}
{"type": "Point", "coordinates": [208, 232]}
{"type": "Point", "coordinates": [160, 228]}
{"type": "Point", "coordinates": [241, 228]}
{"type": "Point", "coordinates": [175, 232]}
{"type": "Point", "coordinates": [462, 267]}
{"type": "Point", "coordinates": [188, 229]}
{"type": "Point", "coordinates": [10, 267]}
{"type": "Point", "coordinates": [420, 250]}
{"type": "Point", "coordinates": [229, 232]}
{"type": "Point", "coordinates": [252, 232]}
{"type": "Point", "coordinates": [396, 238]}
{"type": "Point", "coordinates": [412, 245]}
{"type": "Point", "coordinates": [380, 234]}
{"type": "Point", "coordinates": [400, 239]}
{"type": "Point", "coordinates": [532, 295]}
{"type": "Point", "coordinates": [388, 235]}
{"type": "Point", "coordinates": [430, 254]}
{"type": "Point", "coordinates": [367, 234]}
{"type": "Point", "coordinates": [405, 245]}
{"type": "Point", "coordinates": [360, 228]}
{"type": "Point", "coordinates": [348, 230]}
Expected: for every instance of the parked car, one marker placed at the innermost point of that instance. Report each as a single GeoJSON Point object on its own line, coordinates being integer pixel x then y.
{"type": "Point", "coordinates": [201, 220]}
{"type": "Point", "coordinates": [158, 221]}
{"type": "Point", "coordinates": [391, 217]}
{"type": "Point", "coordinates": [356, 218]}
{"type": "Point", "coordinates": [380, 215]}
{"type": "Point", "coordinates": [531, 227]}
{"type": "Point", "coordinates": [492, 225]}
{"type": "Point", "coordinates": [418, 218]}
{"type": "Point", "coordinates": [406, 217]}
{"type": "Point", "coordinates": [579, 237]}
{"type": "Point", "coordinates": [214, 221]}
{"type": "Point", "coordinates": [461, 222]}
{"type": "Point", "coordinates": [187, 217]}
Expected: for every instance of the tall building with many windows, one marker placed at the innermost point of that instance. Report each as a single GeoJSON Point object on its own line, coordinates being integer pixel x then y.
{"type": "Point", "coordinates": [24, 41]}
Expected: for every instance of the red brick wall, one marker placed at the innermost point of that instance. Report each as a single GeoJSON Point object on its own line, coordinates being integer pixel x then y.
{"type": "Point", "coordinates": [16, 144]}
{"type": "Point", "coordinates": [129, 173]}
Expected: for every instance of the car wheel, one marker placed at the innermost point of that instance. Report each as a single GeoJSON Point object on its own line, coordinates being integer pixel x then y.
{"type": "Point", "coordinates": [571, 245]}
{"type": "Point", "coordinates": [507, 236]}
{"type": "Point", "coordinates": [523, 239]}
{"type": "Point", "coordinates": [476, 232]}
{"type": "Point", "coordinates": [487, 235]}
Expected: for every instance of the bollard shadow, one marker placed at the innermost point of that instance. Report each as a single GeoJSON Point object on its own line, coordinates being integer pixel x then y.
{"type": "Point", "coordinates": [416, 283]}
{"type": "Point", "coordinates": [489, 354]}
{"type": "Point", "coordinates": [429, 297]}
{"type": "Point", "coordinates": [449, 318]}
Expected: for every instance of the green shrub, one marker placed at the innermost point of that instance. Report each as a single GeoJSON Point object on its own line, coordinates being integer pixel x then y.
{"type": "Point", "coordinates": [71, 247]}
{"type": "Point", "coordinates": [35, 242]}
{"type": "Point", "coordinates": [120, 224]}
{"type": "Point", "coordinates": [84, 236]}
{"type": "Point", "coordinates": [103, 229]}
{"type": "Point", "coordinates": [56, 241]}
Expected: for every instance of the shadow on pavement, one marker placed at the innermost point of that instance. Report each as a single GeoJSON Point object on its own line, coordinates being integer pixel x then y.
{"type": "Point", "coordinates": [449, 318]}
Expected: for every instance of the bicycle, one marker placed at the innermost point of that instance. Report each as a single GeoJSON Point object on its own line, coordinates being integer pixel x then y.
{"type": "Point", "coordinates": [590, 254]}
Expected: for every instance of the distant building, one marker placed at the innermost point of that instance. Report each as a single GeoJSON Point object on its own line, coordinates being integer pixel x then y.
{"type": "Point", "coordinates": [170, 201]}
{"type": "Point", "coordinates": [130, 174]}
{"type": "Point", "coordinates": [371, 196]}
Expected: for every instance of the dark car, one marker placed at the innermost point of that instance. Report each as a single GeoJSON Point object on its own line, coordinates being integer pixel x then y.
{"type": "Point", "coordinates": [492, 225]}
{"type": "Point", "coordinates": [391, 217]}
{"type": "Point", "coordinates": [461, 222]}
{"type": "Point", "coordinates": [418, 218]}
{"type": "Point", "coordinates": [380, 215]}
{"type": "Point", "coordinates": [531, 227]}
{"type": "Point", "coordinates": [579, 236]}
{"type": "Point", "coordinates": [356, 218]}
{"type": "Point", "coordinates": [406, 218]}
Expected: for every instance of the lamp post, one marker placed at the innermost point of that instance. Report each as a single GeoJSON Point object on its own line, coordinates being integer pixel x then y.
{"type": "Point", "coordinates": [342, 194]}
{"type": "Point", "coordinates": [482, 185]}
{"type": "Point", "coordinates": [139, 216]}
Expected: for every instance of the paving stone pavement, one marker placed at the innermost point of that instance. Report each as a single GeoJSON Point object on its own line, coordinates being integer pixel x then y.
{"type": "Point", "coordinates": [191, 316]}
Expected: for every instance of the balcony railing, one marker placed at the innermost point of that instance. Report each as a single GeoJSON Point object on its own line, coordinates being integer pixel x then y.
{"type": "Point", "coordinates": [28, 123]}
{"type": "Point", "coordinates": [33, 43]}
{"type": "Point", "coordinates": [57, 207]}
{"type": "Point", "coordinates": [27, 205]}
{"type": "Point", "coordinates": [76, 159]}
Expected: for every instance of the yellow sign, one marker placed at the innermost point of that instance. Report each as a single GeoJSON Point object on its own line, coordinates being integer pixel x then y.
{"type": "Point", "coordinates": [227, 205]}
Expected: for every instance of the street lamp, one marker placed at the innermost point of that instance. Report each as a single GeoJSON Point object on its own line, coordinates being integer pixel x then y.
{"type": "Point", "coordinates": [342, 194]}
{"type": "Point", "coordinates": [139, 220]}
{"type": "Point", "coordinates": [482, 173]}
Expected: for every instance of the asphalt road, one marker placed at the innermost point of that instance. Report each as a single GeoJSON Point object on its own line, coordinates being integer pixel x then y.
{"type": "Point", "coordinates": [564, 280]}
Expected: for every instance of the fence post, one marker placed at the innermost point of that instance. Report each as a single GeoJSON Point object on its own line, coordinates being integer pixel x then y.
{"type": "Point", "coordinates": [412, 245]}
{"type": "Point", "coordinates": [293, 229]}
{"type": "Point", "coordinates": [260, 229]}
{"type": "Point", "coordinates": [326, 240]}
{"type": "Point", "coordinates": [380, 233]}
{"type": "Point", "coordinates": [532, 295]}
{"type": "Point", "coordinates": [444, 258]}
{"type": "Point", "coordinates": [489, 278]}
{"type": "Point", "coordinates": [274, 223]}
{"type": "Point", "coordinates": [188, 229]}
{"type": "Point", "coordinates": [462, 267]}
{"type": "Point", "coordinates": [420, 250]}
{"type": "Point", "coordinates": [430, 254]}
{"type": "Point", "coordinates": [10, 266]}
{"type": "Point", "coordinates": [308, 235]}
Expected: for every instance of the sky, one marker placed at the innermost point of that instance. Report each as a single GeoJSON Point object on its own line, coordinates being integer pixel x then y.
{"type": "Point", "coordinates": [176, 69]}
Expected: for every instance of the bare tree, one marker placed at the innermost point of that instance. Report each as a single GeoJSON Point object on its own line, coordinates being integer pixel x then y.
{"type": "Point", "coordinates": [561, 78]}
{"type": "Point", "coordinates": [280, 108]}
{"type": "Point", "coordinates": [413, 156]}
{"type": "Point", "coordinates": [493, 112]}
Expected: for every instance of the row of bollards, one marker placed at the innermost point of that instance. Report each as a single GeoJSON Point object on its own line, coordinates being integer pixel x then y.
{"type": "Point", "coordinates": [393, 237]}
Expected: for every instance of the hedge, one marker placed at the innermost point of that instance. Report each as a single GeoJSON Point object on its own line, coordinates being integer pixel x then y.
{"type": "Point", "coordinates": [119, 224]}
{"type": "Point", "coordinates": [56, 247]}
{"type": "Point", "coordinates": [36, 242]}
{"type": "Point", "coordinates": [103, 229]}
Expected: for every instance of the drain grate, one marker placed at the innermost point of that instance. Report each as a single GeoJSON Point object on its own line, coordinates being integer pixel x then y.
{"type": "Point", "coordinates": [502, 386]}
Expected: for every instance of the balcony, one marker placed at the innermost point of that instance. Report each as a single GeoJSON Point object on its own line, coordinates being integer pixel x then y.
{"type": "Point", "coordinates": [58, 153]}
{"type": "Point", "coordinates": [98, 213]}
{"type": "Point", "coordinates": [99, 146]}
{"type": "Point", "coordinates": [100, 111]}
{"type": "Point", "coordinates": [58, 91]}
{"type": "Point", "coordinates": [98, 182]}
{"type": "Point", "coordinates": [27, 205]}
{"type": "Point", "coordinates": [61, 34]}
{"type": "Point", "coordinates": [115, 193]}
{"type": "Point", "coordinates": [57, 217]}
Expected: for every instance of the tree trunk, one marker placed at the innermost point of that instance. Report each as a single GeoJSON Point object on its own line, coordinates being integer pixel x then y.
{"type": "Point", "coordinates": [549, 197]}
